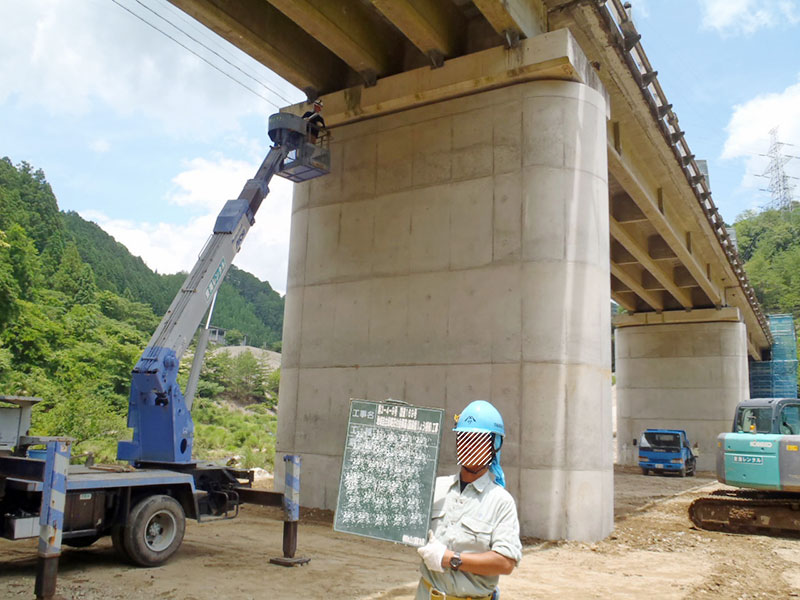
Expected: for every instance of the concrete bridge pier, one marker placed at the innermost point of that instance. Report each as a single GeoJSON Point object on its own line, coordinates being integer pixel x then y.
{"type": "Point", "coordinates": [459, 251]}
{"type": "Point", "coordinates": [679, 370]}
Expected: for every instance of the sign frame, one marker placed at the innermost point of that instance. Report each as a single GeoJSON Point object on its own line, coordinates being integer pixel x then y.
{"type": "Point", "coordinates": [412, 431]}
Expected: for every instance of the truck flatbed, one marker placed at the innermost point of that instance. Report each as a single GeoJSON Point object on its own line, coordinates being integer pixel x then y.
{"type": "Point", "coordinates": [87, 478]}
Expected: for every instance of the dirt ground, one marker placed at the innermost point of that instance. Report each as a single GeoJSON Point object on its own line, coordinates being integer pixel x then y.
{"type": "Point", "coordinates": [654, 552]}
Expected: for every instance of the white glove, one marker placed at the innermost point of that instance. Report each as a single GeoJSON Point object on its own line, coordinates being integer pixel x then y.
{"type": "Point", "coordinates": [432, 553]}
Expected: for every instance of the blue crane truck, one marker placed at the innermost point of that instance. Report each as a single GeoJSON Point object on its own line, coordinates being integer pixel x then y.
{"type": "Point", "coordinates": [666, 451]}
{"type": "Point", "coordinates": [760, 457]}
{"type": "Point", "coordinates": [143, 506]}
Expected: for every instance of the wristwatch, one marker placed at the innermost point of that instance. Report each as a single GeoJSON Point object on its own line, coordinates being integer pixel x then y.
{"type": "Point", "coordinates": [455, 561]}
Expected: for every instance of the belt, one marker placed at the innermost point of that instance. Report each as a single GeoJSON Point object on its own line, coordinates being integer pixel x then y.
{"type": "Point", "coordinates": [437, 595]}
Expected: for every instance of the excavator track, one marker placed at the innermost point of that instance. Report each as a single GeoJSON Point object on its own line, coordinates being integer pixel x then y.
{"type": "Point", "coordinates": [748, 511]}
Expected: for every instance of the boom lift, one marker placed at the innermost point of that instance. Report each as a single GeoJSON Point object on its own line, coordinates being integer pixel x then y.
{"type": "Point", "coordinates": [143, 507]}
{"type": "Point", "coordinates": [761, 457]}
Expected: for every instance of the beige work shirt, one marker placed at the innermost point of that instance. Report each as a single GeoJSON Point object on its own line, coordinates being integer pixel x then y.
{"type": "Point", "coordinates": [483, 517]}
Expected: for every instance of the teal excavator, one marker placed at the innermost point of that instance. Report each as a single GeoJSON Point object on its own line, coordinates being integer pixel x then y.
{"type": "Point", "coordinates": [760, 457]}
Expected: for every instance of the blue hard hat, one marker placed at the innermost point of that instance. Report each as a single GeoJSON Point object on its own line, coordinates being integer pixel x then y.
{"type": "Point", "coordinates": [480, 415]}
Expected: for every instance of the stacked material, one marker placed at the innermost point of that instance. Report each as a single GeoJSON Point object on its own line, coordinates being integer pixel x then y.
{"type": "Point", "coordinates": [777, 378]}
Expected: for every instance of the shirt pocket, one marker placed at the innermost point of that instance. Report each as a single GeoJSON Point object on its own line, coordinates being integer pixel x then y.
{"type": "Point", "coordinates": [476, 535]}
{"type": "Point", "coordinates": [437, 522]}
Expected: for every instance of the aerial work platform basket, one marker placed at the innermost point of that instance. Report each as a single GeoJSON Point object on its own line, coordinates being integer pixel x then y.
{"type": "Point", "coordinates": [311, 157]}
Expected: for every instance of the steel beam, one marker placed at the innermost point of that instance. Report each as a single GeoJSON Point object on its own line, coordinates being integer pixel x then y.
{"type": "Point", "coordinates": [260, 497]}
{"type": "Point", "coordinates": [15, 467]}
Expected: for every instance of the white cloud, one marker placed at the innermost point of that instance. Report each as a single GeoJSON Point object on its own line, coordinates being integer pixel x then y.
{"type": "Point", "coordinates": [748, 132]}
{"type": "Point", "coordinates": [66, 56]}
{"type": "Point", "coordinates": [100, 146]}
{"type": "Point", "coordinates": [207, 185]}
{"type": "Point", "coordinates": [206, 181]}
{"type": "Point", "coordinates": [734, 17]}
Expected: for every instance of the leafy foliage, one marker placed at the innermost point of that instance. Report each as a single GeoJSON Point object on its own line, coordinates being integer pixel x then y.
{"type": "Point", "coordinates": [769, 242]}
{"type": "Point", "coordinates": [9, 287]}
{"type": "Point", "coordinates": [244, 303]}
{"type": "Point", "coordinates": [76, 312]}
{"type": "Point", "coordinates": [242, 379]}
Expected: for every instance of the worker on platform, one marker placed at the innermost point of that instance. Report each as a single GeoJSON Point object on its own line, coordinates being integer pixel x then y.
{"type": "Point", "coordinates": [474, 532]}
{"type": "Point", "coordinates": [315, 121]}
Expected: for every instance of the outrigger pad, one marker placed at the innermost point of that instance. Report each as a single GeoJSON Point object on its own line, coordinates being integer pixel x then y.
{"type": "Point", "coordinates": [289, 562]}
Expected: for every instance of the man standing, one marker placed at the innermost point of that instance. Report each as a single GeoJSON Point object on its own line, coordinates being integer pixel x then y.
{"type": "Point", "coordinates": [474, 535]}
{"type": "Point", "coordinates": [314, 117]}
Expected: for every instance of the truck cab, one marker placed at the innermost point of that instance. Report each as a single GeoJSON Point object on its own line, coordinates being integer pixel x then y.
{"type": "Point", "coordinates": [665, 450]}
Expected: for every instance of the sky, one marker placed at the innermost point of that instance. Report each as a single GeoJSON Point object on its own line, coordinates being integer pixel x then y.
{"type": "Point", "coordinates": [140, 135]}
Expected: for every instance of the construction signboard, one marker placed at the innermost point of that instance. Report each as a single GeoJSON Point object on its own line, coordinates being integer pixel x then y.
{"type": "Point", "coordinates": [388, 471]}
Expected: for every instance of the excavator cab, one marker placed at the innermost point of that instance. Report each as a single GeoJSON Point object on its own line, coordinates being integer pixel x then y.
{"type": "Point", "coordinates": [761, 457]}
{"type": "Point", "coordinates": [310, 156]}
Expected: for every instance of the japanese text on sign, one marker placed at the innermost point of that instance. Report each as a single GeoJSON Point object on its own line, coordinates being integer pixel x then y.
{"type": "Point", "coordinates": [388, 469]}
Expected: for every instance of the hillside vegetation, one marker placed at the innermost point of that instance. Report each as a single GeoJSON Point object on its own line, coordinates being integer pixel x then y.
{"type": "Point", "coordinates": [769, 243]}
{"type": "Point", "coordinates": [77, 310]}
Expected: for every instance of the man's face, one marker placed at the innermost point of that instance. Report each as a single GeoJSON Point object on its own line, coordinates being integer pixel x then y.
{"type": "Point", "coordinates": [473, 449]}
{"type": "Point", "coordinates": [317, 107]}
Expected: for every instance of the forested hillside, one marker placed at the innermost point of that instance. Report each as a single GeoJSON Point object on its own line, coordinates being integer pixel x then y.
{"type": "Point", "coordinates": [769, 243]}
{"type": "Point", "coordinates": [77, 310]}
{"type": "Point", "coordinates": [245, 303]}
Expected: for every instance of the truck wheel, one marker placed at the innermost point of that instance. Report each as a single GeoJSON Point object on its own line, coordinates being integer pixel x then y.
{"type": "Point", "coordinates": [118, 541]}
{"type": "Point", "coordinates": [155, 530]}
{"type": "Point", "coordinates": [693, 469]}
{"type": "Point", "coordinates": [645, 471]}
{"type": "Point", "coordinates": [83, 541]}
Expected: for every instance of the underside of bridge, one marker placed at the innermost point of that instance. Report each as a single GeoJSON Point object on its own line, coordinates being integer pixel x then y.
{"type": "Point", "coordinates": [500, 171]}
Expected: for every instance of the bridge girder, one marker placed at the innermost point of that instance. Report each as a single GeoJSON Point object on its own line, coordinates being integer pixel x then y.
{"type": "Point", "coordinates": [670, 251]}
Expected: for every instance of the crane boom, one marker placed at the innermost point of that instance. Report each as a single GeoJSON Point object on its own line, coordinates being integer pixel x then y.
{"type": "Point", "coordinates": [163, 430]}
{"type": "Point", "coordinates": [180, 322]}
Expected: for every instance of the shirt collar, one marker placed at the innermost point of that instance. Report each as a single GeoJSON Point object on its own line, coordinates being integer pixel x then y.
{"type": "Point", "coordinates": [480, 483]}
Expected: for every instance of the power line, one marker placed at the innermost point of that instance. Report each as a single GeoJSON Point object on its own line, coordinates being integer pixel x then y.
{"type": "Point", "coordinates": [228, 75]}
{"type": "Point", "coordinates": [264, 85]}
{"type": "Point", "coordinates": [203, 32]}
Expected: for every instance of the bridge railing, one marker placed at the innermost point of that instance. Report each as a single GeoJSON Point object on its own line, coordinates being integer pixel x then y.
{"type": "Point", "coordinates": [618, 19]}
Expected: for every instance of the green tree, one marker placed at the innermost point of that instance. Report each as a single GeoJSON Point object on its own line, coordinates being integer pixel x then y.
{"type": "Point", "coordinates": [67, 277]}
{"type": "Point", "coordinates": [32, 334]}
{"type": "Point", "coordinates": [234, 337]}
{"type": "Point", "coordinates": [273, 383]}
{"type": "Point", "coordinates": [770, 243]}
{"type": "Point", "coordinates": [248, 379]}
{"type": "Point", "coordinates": [24, 260]}
{"type": "Point", "coordinates": [86, 286]}
{"type": "Point", "coordinates": [9, 288]}
{"type": "Point", "coordinates": [76, 311]}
